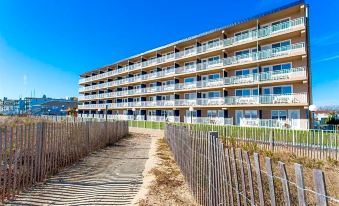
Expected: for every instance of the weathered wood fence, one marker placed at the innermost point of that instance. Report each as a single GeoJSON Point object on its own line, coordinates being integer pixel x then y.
{"type": "Point", "coordinates": [219, 175]}
{"type": "Point", "coordinates": [31, 153]}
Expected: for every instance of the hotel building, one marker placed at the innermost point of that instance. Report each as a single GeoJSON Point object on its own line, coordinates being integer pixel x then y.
{"type": "Point", "coordinates": [251, 73]}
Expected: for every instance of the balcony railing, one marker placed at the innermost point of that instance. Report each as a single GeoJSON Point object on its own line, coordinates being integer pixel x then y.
{"type": "Point", "coordinates": [274, 99]}
{"type": "Point", "coordinates": [265, 54]}
{"type": "Point", "coordinates": [275, 123]}
{"type": "Point", "coordinates": [209, 120]}
{"type": "Point", "coordinates": [263, 32]}
{"type": "Point", "coordinates": [245, 58]}
{"type": "Point", "coordinates": [286, 74]}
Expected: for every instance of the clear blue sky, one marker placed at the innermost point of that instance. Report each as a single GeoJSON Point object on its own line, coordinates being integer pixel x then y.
{"type": "Point", "coordinates": [45, 45]}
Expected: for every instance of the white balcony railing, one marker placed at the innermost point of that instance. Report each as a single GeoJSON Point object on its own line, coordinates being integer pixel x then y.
{"type": "Point", "coordinates": [246, 58]}
{"type": "Point", "coordinates": [275, 123]}
{"type": "Point", "coordinates": [209, 120]}
{"type": "Point", "coordinates": [286, 74]}
{"type": "Point", "coordinates": [261, 33]}
{"type": "Point", "coordinates": [265, 54]}
{"type": "Point", "coordinates": [275, 99]}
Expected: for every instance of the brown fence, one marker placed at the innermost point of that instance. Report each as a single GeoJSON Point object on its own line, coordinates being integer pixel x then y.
{"type": "Point", "coordinates": [31, 153]}
{"type": "Point", "coordinates": [218, 175]}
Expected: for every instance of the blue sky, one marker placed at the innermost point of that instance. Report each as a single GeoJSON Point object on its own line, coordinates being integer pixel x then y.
{"type": "Point", "coordinates": [45, 45]}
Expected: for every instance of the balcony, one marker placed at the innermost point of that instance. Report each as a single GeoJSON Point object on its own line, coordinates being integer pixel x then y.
{"type": "Point", "coordinates": [265, 32]}
{"type": "Point", "coordinates": [246, 58]}
{"type": "Point", "coordinates": [209, 120]}
{"type": "Point", "coordinates": [274, 99]}
{"type": "Point", "coordinates": [275, 123]}
{"type": "Point", "coordinates": [286, 74]}
{"type": "Point", "coordinates": [265, 54]}
{"type": "Point", "coordinates": [261, 33]}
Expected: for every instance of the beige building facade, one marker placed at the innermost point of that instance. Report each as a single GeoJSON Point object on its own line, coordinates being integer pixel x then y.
{"type": "Point", "coordinates": [252, 73]}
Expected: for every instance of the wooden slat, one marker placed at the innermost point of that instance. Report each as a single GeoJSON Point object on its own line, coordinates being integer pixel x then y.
{"type": "Point", "coordinates": [299, 175]}
{"type": "Point", "coordinates": [284, 182]}
{"type": "Point", "coordinates": [250, 178]}
{"type": "Point", "coordinates": [320, 188]}
{"type": "Point", "coordinates": [259, 179]}
{"type": "Point", "coordinates": [268, 163]}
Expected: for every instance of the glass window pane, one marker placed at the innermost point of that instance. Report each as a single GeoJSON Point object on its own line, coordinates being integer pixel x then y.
{"type": "Point", "coordinates": [255, 92]}
{"type": "Point", "coordinates": [245, 72]}
{"type": "Point", "coordinates": [285, 43]}
{"type": "Point", "coordinates": [287, 90]}
{"type": "Point", "coordinates": [266, 69]}
{"type": "Point", "coordinates": [267, 91]}
{"type": "Point", "coordinates": [276, 90]}
{"type": "Point", "coordinates": [276, 67]}
{"type": "Point", "coordinates": [246, 92]}
{"type": "Point", "coordinates": [286, 66]}
{"type": "Point", "coordinates": [238, 92]}
{"type": "Point", "coordinates": [238, 73]}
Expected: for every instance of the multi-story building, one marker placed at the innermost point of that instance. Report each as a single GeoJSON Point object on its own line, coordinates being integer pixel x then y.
{"type": "Point", "coordinates": [254, 72]}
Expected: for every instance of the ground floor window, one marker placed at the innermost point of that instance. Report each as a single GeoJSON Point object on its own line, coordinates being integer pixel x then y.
{"type": "Point", "coordinates": [251, 114]}
{"type": "Point", "coordinates": [279, 114]}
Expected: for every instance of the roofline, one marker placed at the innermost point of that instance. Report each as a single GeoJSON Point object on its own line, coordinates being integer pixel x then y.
{"type": "Point", "coordinates": [286, 6]}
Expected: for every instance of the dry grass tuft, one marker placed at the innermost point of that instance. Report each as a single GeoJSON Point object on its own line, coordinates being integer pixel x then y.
{"type": "Point", "coordinates": [169, 187]}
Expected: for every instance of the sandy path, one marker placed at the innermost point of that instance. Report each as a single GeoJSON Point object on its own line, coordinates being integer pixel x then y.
{"type": "Point", "coordinates": [111, 176]}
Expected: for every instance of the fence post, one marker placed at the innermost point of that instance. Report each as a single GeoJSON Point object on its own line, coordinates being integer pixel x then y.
{"type": "Point", "coordinates": [300, 184]}
{"type": "Point", "coordinates": [272, 140]}
{"type": "Point", "coordinates": [320, 188]}
{"type": "Point", "coordinates": [39, 150]}
{"type": "Point", "coordinates": [212, 138]}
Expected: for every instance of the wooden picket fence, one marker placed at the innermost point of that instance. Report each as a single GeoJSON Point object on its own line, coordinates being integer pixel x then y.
{"type": "Point", "coordinates": [221, 175]}
{"type": "Point", "coordinates": [31, 153]}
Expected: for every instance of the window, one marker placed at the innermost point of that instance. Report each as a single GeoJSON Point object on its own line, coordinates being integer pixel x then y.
{"type": "Point", "coordinates": [169, 82]}
{"type": "Point", "coordinates": [154, 98]}
{"type": "Point", "coordinates": [215, 113]}
{"type": "Point", "coordinates": [282, 45]}
{"type": "Point", "coordinates": [167, 97]}
{"type": "Point", "coordinates": [211, 76]}
{"type": "Point", "coordinates": [267, 91]}
{"type": "Point", "coordinates": [154, 84]}
{"type": "Point", "coordinates": [251, 114]}
{"type": "Point", "coordinates": [277, 67]}
{"type": "Point", "coordinates": [246, 71]}
{"type": "Point", "coordinates": [190, 96]}
{"type": "Point", "coordinates": [137, 87]}
{"type": "Point", "coordinates": [211, 43]}
{"type": "Point", "coordinates": [214, 94]}
{"type": "Point", "coordinates": [279, 114]}
{"type": "Point", "coordinates": [189, 80]}
{"type": "Point", "coordinates": [152, 112]}
{"type": "Point", "coordinates": [245, 53]}
{"type": "Point", "coordinates": [213, 60]}
{"type": "Point", "coordinates": [189, 50]}
{"type": "Point", "coordinates": [243, 34]}
{"type": "Point", "coordinates": [189, 65]}
{"type": "Point", "coordinates": [281, 24]}
{"type": "Point", "coordinates": [194, 113]}
{"type": "Point", "coordinates": [282, 89]}
{"type": "Point", "coordinates": [246, 92]}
